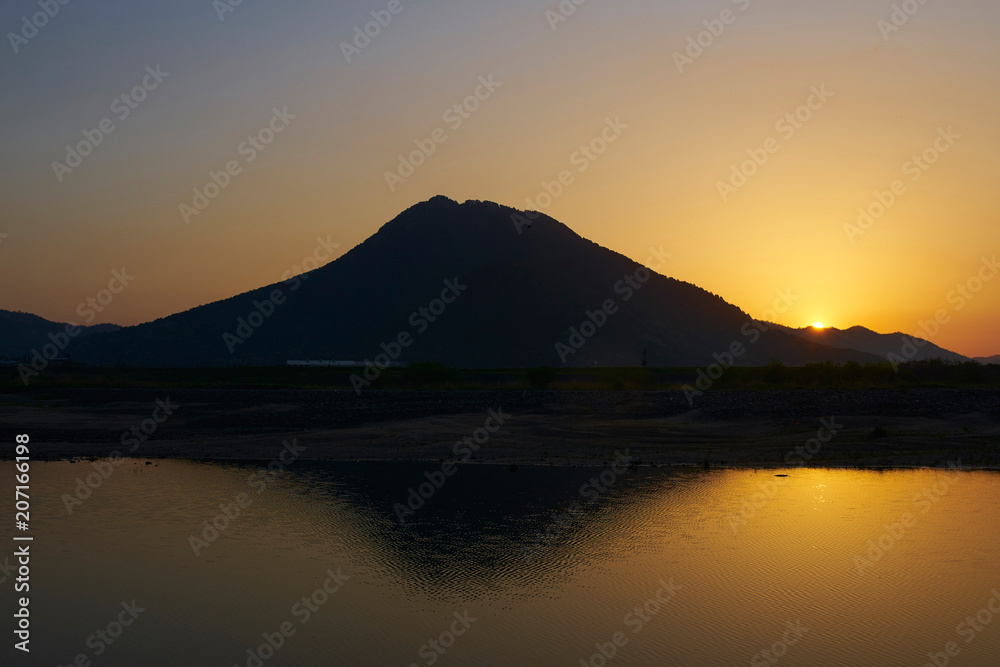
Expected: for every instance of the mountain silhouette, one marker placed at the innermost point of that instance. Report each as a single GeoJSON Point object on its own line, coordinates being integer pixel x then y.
{"type": "Point", "coordinates": [22, 332]}
{"type": "Point", "coordinates": [516, 291]}
{"type": "Point", "coordinates": [866, 340]}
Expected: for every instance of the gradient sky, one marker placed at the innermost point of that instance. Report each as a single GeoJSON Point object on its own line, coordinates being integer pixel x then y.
{"type": "Point", "coordinates": [657, 185]}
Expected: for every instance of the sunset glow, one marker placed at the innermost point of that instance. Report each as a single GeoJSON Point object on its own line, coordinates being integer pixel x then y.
{"type": "Point", "coordinates": [805, 148]}
{"type": "Point", "coordinates": [478, 333]}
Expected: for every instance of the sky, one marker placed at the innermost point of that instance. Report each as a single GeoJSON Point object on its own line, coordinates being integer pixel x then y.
{"type": "Point", "coordinates": [741, 137]}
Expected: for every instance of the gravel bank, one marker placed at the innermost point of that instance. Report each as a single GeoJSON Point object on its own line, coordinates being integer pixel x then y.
{"type": "Point", "coordinates": [876, 427]}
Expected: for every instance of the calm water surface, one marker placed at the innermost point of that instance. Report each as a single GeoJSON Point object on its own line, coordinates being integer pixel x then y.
{"type": "Point", "coordinates": [823, 567]}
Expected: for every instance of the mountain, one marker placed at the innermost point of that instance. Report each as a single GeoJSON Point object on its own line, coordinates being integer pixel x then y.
{"type": "Point", "coordinates": [515, 294]}
{"type": "Point", "coordinates": [866, 340]}
{"type": "Point", "coordinates": [995, 359]}
{"type": "Point", "coordinates": [21, 332]}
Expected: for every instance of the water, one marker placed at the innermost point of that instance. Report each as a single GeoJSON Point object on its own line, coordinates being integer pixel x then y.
{"type": "Point", "coordinates": [781, 576]}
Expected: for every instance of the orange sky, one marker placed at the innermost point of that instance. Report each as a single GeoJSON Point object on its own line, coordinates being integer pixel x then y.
{"type": "Point", "coordinates": [655, 185]}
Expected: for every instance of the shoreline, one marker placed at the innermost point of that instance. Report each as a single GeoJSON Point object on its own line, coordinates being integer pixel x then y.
{"type": "Point", "coordinates": [864, 428]}
{"type": "Point", "coordinates": [533, 464]}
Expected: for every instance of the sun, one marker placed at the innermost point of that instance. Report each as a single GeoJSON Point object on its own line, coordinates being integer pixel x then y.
{"type": "Point", "coordinates": [818, 325]}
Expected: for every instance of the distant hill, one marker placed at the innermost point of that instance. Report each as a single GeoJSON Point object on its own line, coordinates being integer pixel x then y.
{"type": "Point", "coordinates": [866, 340]}
{"type": "Point", "coordinates": [517, 296]}
{"type": "Point", "coordinates": [22, 332]}
{"type": "Point", "coordinates": [995, 359]}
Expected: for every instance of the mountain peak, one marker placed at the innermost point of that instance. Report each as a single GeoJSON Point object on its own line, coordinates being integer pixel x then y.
{"type": "Point", "coordinates": [435, 203]}
{"type": "Point", "coordinates": [530, 301]}
{"type": "Point", "coordinates": [866, 340]}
